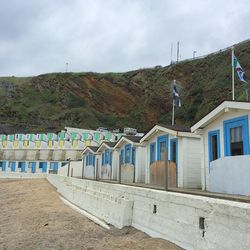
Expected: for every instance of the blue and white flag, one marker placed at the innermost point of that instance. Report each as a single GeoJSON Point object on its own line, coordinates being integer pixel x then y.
{"type": "Point", "coordinates": [176, 97]}
{"type": "Point", "coordinates": [239, 70]}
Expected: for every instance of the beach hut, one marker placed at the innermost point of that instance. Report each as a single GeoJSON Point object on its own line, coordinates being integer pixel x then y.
{"type": "Point", "coordinates": [129, 162]}
{"type": "Point", "coordinates": [225, 148]}
{"type": "Point", "coordinates": [106, 162]}
{"type": "Point", "coordinates": [178, 146]}
{"type": "Point", "coordinates": [89, 161]}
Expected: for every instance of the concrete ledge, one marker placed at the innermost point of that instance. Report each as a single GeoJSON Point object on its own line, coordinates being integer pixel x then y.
{"type": "Point", "coordinates": [17, 175]}
{"type": "Point", "coordinates": [172, 216]}
{"type": "Point", "coordinates": [113, 208]}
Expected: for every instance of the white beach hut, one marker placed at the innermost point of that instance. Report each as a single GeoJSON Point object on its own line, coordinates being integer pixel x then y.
{"type": "Point", "coordinates": [225, 148]}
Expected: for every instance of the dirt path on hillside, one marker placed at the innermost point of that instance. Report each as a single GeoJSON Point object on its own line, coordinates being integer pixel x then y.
{"type": "Point", "coordinates": [33, 217]}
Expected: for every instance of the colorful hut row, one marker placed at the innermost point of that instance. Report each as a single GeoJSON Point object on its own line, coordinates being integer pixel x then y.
{"type": "Point", "coordinates": [142, 159]}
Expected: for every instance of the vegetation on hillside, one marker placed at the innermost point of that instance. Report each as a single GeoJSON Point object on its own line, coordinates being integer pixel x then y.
{"type": "Point", "coordinates": [139, 98]}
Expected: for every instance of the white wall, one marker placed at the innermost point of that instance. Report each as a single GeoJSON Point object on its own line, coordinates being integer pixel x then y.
{"type": "Point", "coordinates": [235, 181]}
{"type": "Point", "coordinates": [217, 125]}
{"type": "Point", "coordinates": [75, 165]}
{"type": "Point", "coordinates": [89, 171]}
{"type": "Point", "coordinates": [177, 217]}
{"type": "Point", "coordinates": [191, 162]}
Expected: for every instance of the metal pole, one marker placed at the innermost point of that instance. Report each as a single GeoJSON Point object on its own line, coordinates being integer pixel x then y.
{"type": "Point", "coordinates": [68, 167]}
{"type": "Point", "coordinates": [233, 73]}
{"type": "Point", "coordinates": [194, 52]}
{"type": "Point", "coordinates": [120, 174]}
{"type": "Point", "coordinates": [173, 115]}
{"type": "Point", "coordinates": [247, 94]}
{"type": "Point", "coordinates": [178, 44]}
{"type": "Point", "coordinates": [166, 169]}
{"type": "Point", "coordinates": [171, 53]}
{"type": "Point", "coordinates": [173, 106]}
{"type": "Point", "coordinates": [96, 174]}
{"type": "Point", "coordinates": [67, 64]}
{"type": "Point", "coordinates": [82, 168]}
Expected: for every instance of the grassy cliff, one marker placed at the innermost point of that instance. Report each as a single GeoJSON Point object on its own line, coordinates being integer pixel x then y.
{"type": "Point", "coordinates": [138, 98]}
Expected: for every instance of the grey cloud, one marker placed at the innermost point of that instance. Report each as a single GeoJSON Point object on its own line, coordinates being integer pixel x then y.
{"type": "Point", "coordinates": [113, 35]}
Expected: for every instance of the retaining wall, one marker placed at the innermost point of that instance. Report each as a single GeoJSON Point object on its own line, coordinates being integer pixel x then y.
{"type": "Point", "coordinates": [14, 175]}
{"type": "Point", "coordinates": [176, 217]}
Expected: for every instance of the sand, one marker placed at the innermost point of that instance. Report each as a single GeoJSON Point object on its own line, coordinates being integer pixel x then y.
{"type": "Point", "coordinates": [32, 216]}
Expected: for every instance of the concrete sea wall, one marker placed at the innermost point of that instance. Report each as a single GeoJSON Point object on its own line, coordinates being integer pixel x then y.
{"type": "Point", "coordinates": [17, 175]}
{"type": "Point", "coordinates": [192, 222]}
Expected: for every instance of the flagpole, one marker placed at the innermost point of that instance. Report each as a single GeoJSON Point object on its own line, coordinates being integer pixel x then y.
{"type": "Point", "coordinates": [173, 109]}
{"type": "Point", "coordinates": [173, 114]}
{"type": "Point", "coordinates": [233, 73]}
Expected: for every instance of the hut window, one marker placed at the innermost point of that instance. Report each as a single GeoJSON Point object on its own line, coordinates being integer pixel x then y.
{"type": "Point", "coordinates": [103, 158]}
{"type": "Point", "coordinates": [127, 153]}
{"type": "Point", "coordinates": [236, 136]}
{"type": "Point", "coordinates": [152, 153]}
{"type": "Point", "coordinates": [174, 150]}
{"type": "Point", "coordinates": [162, 150]}
{"type": "Point", "coordinates": [133, 155]}
{"type": "Point", "coordinates": [214, 145]}
{"type": "Point", "coordinates": [236, 141]}
{"type": "Point", "coordinates": [122, 156]}
{"type": "Point", "coordinates": [106, 156]}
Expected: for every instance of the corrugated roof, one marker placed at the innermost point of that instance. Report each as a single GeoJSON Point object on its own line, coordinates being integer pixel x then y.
{"type": "Point", "coordinates": [133, 138]}
{"type": "Point", "coordinates": [110, 144]}
{"type": "Point", "coordinates": [93, 148]}
{"type": "Point", "coordinates": [179, 128]}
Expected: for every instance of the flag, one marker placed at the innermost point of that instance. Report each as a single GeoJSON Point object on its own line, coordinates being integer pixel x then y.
{"type": "Point", "coordinates": [239, 70]}
{"type": "Point", "coordinates": [176, 97]}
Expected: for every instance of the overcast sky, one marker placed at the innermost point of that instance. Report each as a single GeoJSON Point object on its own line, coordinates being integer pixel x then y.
{"type": "Point", "coordinates": [113, 35]}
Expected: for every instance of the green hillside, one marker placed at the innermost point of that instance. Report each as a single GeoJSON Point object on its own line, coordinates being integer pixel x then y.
{"type": "Point", "coordinates": [137, 98]}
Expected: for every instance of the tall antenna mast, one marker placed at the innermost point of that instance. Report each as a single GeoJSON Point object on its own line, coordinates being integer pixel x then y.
{"type": "Point", "coordinates": [178, 51]}
{"type": "Point", "coordinates": [171, 53]}
{"type": "Point", "coordinates": [67, 65]}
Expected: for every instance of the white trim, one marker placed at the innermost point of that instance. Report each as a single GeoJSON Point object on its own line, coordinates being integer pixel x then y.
{"type": "Point", "coordinates": [122, 139]}
{"type": "Point", "coordinates": [158, 128]}
{"type": "Point", "coordinates": [88, 149]}
{"type": "Point", "coordinates": [226, 106]}
{"type": "Point", "coordinates": [103, 144]}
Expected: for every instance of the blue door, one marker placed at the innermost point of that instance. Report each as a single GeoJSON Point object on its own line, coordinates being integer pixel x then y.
{"type": "Point", "coordinates": [56, 166]}
{"type": "Point", "coordinates": [4, 166]}
{"type": "Point", "coordinates": [33, 167]}
{"type": "Point", "coordinates": [23, 165]}
{"type": "Point", "coordinates": [12, 166]}
{"type": "Point", "coordinates": [44, 164]}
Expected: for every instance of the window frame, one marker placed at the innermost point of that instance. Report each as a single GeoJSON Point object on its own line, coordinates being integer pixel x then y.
{"type": "Point", "coordinates": [232, 123]}
{"type": "Point", "coordinates": [172, 141]}
{"type": "Point", "coordinates": [127, 159]}
{"type": "Point", "coordinates": [163, 138]}
{"type": "Point", "coordinates": [210, 145]}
